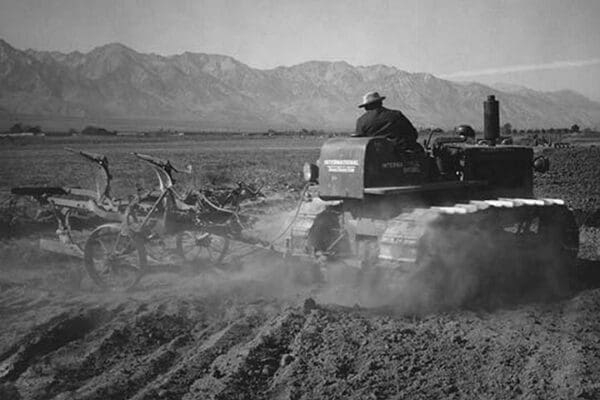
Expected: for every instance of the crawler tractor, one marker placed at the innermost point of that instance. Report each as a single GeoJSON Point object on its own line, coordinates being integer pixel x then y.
{"type": "Point", "coordinates": [452, 211]}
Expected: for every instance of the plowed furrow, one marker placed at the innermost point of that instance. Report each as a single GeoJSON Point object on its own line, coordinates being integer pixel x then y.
{"type": "Point", "coordinates": [247, 370]}
{"type": "Point", "coordinates": [125, 379]}
{"type": "Point", "coordinates": [67, 368]}
{"type": "Point", "coordinates": [46, 339]}
{"type": "Point", "coordinates": [115, 346]}
{"type": "Point", "coordinates": [195, 364]}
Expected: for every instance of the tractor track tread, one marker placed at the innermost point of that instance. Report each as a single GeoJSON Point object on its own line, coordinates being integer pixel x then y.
{"type": "Point", "coordinates": [408, 228]}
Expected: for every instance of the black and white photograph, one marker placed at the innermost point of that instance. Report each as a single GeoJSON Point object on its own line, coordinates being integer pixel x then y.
{"type": "Point", "coordinates": [299, 199]}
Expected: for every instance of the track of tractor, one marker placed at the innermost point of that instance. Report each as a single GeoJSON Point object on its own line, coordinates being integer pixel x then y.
{"type": "Point", "coordinates": [483, 251]}
{"type": "Point", "coordinates": [523, 217]}
{"type": "Point", "coordinates": [491, 248]}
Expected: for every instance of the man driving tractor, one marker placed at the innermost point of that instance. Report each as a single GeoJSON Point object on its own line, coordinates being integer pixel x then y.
{"type": "Point", "coordinates": [380, 121]}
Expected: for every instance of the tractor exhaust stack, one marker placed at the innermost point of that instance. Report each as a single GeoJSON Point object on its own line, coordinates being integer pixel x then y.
{"type": "Point", "coordinates": [491, 120]}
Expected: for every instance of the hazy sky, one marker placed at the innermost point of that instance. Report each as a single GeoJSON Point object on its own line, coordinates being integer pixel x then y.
{"type": "Point", "coordinates": [543, 44]}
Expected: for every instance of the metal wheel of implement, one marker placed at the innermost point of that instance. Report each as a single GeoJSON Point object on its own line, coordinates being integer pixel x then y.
{"type": "Point", "coordinates": [113, 259]}
{"type": "Point", "coordinates": [202, 249]}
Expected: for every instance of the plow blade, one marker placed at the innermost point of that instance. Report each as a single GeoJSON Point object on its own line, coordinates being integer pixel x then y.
{"type": "Point", "coordinates": [56, 246]}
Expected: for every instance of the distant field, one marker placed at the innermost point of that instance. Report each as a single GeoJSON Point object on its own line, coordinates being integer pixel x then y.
{"type": "Point", "coordinates": [56, 123]}
{"type": "Point", "coordinates": [274, 162]}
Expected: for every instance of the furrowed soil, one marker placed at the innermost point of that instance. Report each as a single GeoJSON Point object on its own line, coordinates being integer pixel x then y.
{"type": "Point", "coordinates": [251, 334]}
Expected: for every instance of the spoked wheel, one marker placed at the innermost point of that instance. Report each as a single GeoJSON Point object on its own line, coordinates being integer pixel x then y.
{"type": "Point", "coordinates": [202, 249]}
{"type": "Point", "coordinates": [113, 259]}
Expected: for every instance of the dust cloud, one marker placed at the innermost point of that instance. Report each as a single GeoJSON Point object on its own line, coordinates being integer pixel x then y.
{"type": "Point", "coordinates": [460, 266]}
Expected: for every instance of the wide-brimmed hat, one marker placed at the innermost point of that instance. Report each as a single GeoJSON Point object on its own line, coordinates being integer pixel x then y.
{"type": "Point", "coordinates": [371, 97]}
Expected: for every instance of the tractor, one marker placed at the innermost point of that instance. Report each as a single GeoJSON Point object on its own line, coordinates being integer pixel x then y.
{"type": "Point", "coordinates": [453, 210]}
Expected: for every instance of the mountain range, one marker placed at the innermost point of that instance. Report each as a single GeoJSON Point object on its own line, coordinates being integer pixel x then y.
{"type": "Point", "coordinates": [211, 91]}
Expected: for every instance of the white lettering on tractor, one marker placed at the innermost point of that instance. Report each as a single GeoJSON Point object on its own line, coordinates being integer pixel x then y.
{"type": "Point", "coordinates": [341, 168]}
{"type": "Point", "coordinates": [392, 164]}
{"type": "Point", "coordinates": [341, 162]}
{"type": "Point", "coordinates": [407, 167]}
{"type": "Point", "coordinates": [344, 166]}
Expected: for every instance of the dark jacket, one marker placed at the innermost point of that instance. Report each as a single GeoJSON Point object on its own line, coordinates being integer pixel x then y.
{"type": "Point", "coordinates": [385, 122]}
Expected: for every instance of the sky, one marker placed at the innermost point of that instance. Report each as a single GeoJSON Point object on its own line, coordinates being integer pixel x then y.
{"type": "Point", "coordinates": [541, 44]}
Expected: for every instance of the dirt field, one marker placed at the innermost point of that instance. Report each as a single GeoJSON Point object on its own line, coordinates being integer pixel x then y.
{"type": "Point", "coordinates": [252, 335]}
{"type": "Point", "coordinates": [275, 162]}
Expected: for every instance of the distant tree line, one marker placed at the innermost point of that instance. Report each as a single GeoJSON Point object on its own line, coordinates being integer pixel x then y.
{"type": "Point", "coordinates": [508, 129]}
{"type": "Point", "coordinates": [97, 131]}
{"type": "Point", "coordinates": [21, 128]}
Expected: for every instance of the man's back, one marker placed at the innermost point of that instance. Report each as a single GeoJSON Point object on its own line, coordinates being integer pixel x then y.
{"type": "Point", "coordinates": [385, 122]}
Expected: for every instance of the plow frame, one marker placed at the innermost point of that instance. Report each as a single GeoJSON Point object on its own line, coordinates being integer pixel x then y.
{"type": "Point", "coordinates": [163, 227]}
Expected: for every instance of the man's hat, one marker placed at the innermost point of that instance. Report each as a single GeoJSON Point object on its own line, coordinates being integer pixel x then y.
{"type": "Point", "coordinates": [371, 97]}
